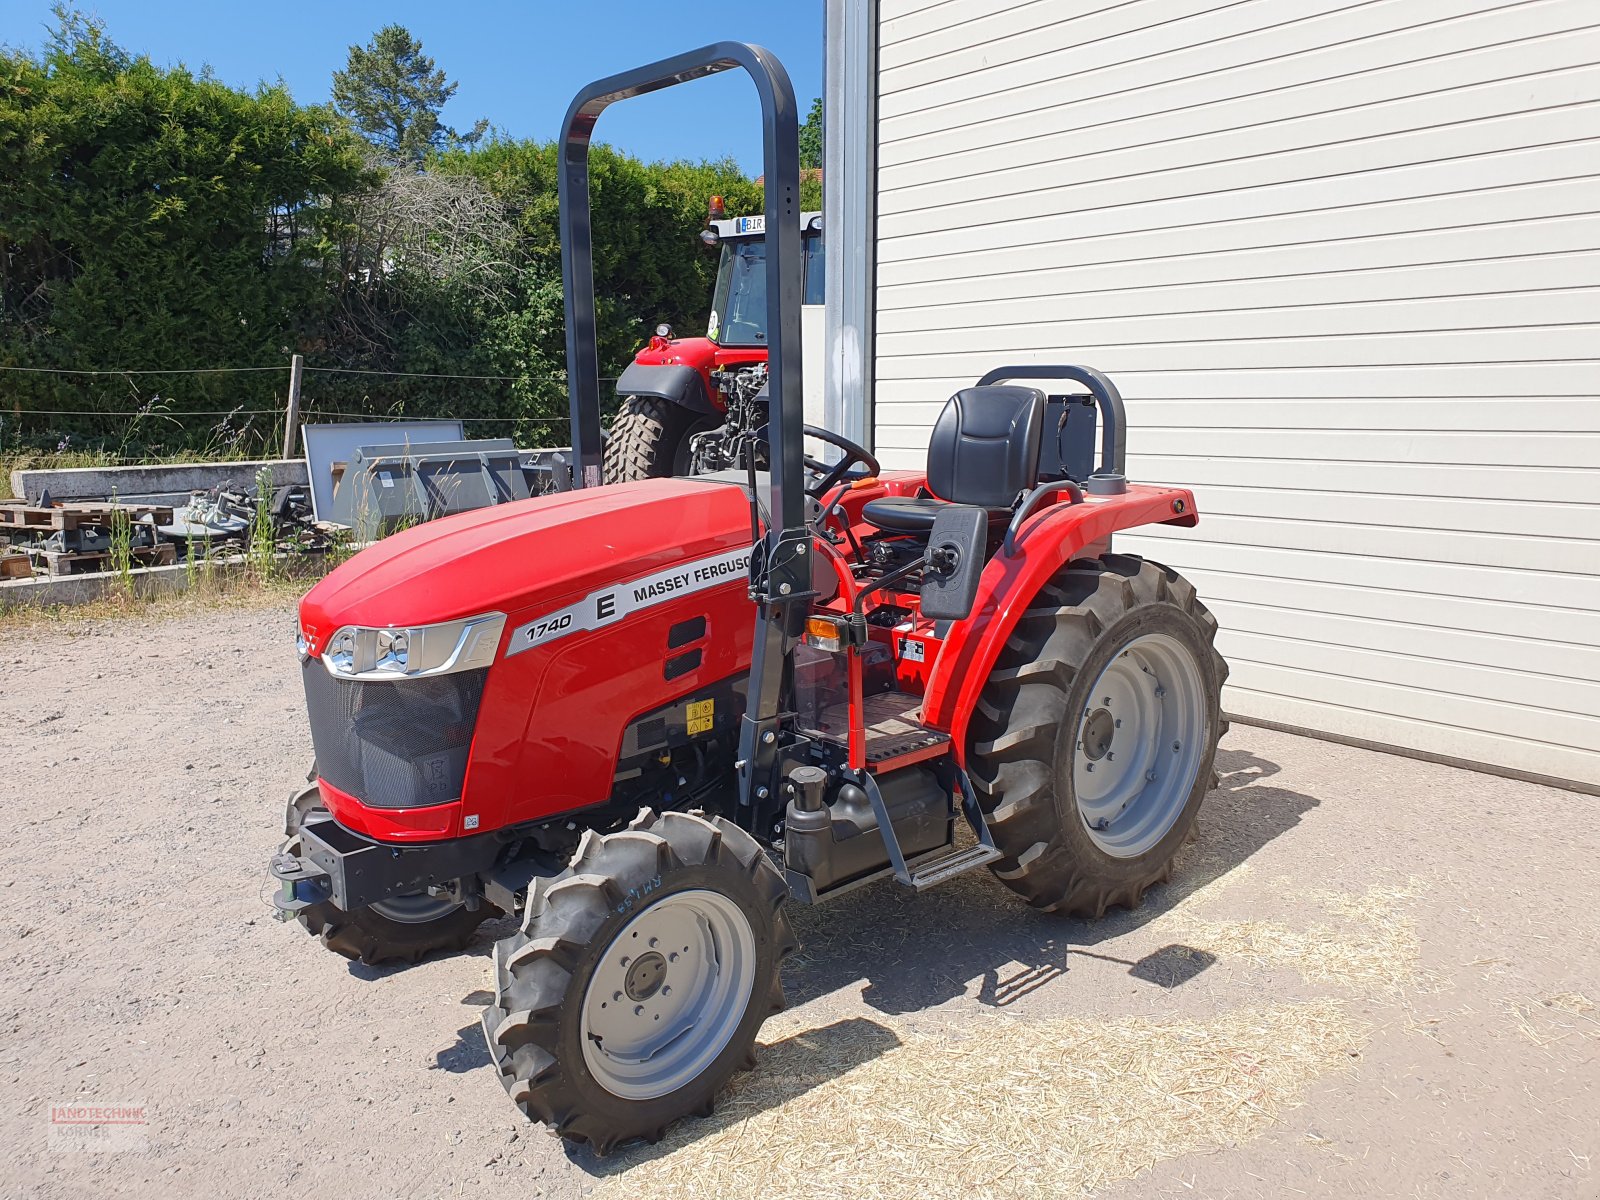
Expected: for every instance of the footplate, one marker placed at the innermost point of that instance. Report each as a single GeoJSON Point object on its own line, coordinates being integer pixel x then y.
{"type": "Point", "coordinates": [930, 872]}
{"type": "Point", "coordinates": [952, 865]}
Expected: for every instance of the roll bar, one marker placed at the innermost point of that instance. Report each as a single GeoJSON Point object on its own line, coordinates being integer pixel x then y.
{"type": "Point", "coordinates": [781, 159]}
{"type": "Point", "coordinates": [1113, 421]}
{"type": "Point", "coordinates": [780, 565]}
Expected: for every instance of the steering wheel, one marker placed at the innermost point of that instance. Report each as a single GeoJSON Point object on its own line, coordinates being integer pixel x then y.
{"type": "Point", "coordinates": [854, 455]}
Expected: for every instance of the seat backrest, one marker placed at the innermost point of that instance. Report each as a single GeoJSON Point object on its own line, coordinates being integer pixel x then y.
{"type": "Point", "coordinates": [984, 449]}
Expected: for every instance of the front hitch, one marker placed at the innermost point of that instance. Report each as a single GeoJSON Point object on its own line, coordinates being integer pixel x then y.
{"type": "Point", "coordinates": [301, 884]}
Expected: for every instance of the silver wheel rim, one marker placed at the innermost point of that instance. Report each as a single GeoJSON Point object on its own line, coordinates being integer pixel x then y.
{"type": "Point", "coordinates": [415, 908]}
{"type": "Point", "coordinates": [1139, 742]}
{"type": "Point", "coordinates": [668, 994]}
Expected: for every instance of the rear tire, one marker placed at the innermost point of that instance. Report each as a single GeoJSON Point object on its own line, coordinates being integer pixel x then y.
{"type": "Point", "coordinates": [1113, 657]}
{"type": "Point", "coordinates": [673, 901]}
{"type": "Point", "coordinates": [650, 439]}
{"type": "Point", "coordinates": [405, 928]}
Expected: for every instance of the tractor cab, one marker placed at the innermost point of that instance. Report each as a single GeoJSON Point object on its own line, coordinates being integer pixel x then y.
{"type": "Point", "coordinates": [739, 300]}
{"type": "Point", "coordinates": [697, 405]}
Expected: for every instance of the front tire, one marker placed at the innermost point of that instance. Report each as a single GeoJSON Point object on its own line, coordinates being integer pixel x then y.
{"type": "Point", "coordinates": [640, 978]}
{"type": "Point", "coordinates": [650, 439]}
{"type": "Point", "coordinates": [400, 929]}
{"type": "Point", "coordinates": [1093, 745]}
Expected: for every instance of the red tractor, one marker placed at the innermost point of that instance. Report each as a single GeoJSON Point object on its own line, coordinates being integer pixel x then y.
{"type": "Point", "coordinates": [643, 717]}
{"type": "Point", "coordinates": [691, 406]}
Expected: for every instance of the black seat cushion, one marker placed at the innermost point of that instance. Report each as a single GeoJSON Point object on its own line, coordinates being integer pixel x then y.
{"type": "Point", "coordinates": [983, 451]}
{"type": "Point", "coordinates": [902, 514]}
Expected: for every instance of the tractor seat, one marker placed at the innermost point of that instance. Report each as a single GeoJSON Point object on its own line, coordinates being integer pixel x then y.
{"type": "Point", "coordinates": [984, 451]}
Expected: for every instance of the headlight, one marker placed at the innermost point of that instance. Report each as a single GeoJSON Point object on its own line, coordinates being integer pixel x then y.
{"type": "Point", "coordinates": [341, 653]}
{"type": "Point", "coordinates": [362, 652]}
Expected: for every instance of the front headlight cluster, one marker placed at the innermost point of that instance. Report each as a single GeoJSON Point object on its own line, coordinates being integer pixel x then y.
{"type": "Point", "coordinates": [364, 652]}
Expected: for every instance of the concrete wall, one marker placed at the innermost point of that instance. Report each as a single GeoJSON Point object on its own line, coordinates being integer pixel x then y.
{"type": "Point", "coordinates": [165, 484]}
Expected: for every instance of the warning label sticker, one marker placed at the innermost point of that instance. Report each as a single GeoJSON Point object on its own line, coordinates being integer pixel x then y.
{"type": "Point", "coordinates": [700, 714]}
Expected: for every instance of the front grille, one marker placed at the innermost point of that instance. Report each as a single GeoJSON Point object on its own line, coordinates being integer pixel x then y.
{"type": "Point", "coordinates": [393, 745]}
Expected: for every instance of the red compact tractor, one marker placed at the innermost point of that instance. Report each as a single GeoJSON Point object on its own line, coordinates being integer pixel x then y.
{"type": "Point", "coordinates": [643, 717]}
{"type": "Point", "coordinates": [694, 405]}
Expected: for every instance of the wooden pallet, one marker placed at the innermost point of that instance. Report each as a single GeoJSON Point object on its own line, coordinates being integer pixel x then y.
{"type": "Point", "coordinates": [69, 517]}
{"type": "Point", "coordinates": [60, 562]}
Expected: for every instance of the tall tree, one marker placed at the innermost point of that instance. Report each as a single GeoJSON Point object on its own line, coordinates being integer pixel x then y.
{"type": "Point", "coordinates": [393, 93]}
{"type": "Point", "coordinates": [811, 138]}
{"type": "Point", "coordinates": [155, 220]}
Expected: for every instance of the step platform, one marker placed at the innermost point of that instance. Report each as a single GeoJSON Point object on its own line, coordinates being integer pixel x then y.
{"type": "Point", "coordinates": [895, 737]}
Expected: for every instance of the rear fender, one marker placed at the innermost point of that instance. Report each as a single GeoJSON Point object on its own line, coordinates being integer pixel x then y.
{"type": "Point", "coordinates": [682, 385]}
{"type": "Point", "coordinates": [1047, 541]}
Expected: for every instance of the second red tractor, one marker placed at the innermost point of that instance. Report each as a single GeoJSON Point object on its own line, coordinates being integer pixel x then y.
{"type": "Point", "coordinates": [692, 405]}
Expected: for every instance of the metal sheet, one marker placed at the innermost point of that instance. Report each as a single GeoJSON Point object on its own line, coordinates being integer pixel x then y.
{"type": "Point", "coordinates": [329, 444]}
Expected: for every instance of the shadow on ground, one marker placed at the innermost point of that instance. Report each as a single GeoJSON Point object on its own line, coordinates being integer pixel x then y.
{"type": "Point", "coordinates": [919, 951]}
{"type": "Point", "coordinates": [788, 1068]}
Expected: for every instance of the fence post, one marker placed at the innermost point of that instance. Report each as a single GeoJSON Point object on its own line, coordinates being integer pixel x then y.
{"type": "Point", "coordinates": [291, 417]}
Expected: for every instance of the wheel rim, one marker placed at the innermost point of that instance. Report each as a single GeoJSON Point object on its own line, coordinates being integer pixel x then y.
{"type": "Point", "coordinates": [415, 908]}
{"type": "Point", "coordinates": [668, 994]}
{"type": "Point", "coordinates": [1139, 742]}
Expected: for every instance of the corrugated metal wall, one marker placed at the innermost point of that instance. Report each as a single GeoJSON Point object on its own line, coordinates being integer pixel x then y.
{"type": "Point", "coordinates": [1343, 260]}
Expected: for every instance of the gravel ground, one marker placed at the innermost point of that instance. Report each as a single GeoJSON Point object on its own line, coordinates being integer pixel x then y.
{"type": "Point", "coordinates": [1439, 925]}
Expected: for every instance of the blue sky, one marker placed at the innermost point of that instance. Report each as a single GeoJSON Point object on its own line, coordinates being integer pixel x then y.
{"type": "Point", "coordinates": [517, 63]}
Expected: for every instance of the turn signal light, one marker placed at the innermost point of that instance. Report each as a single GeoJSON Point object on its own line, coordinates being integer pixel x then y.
{"type": "Point", "coordinates": [825, 633]}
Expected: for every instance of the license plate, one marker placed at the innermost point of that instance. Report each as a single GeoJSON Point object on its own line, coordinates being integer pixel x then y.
{"type": "Point", "coordinates": [750, 224]}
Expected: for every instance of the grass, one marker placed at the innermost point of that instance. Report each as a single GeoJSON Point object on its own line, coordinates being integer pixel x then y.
{"type": "Point", "coordinates": [999, 1106]}
{"type": "Point", "coordinates": [212, 589]}
{"type": "Point", "coordinates": [121, 561]}
{"type": "Point", "coordinates": [261, 550]}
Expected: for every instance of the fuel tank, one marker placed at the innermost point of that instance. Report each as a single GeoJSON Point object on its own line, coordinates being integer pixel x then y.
{"type": "Point", "coordinates": [618, 601]}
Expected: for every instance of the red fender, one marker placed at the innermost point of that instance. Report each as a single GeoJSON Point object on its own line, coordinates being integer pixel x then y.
{"type": "Point", "coordinates": [704, 355]}
{"type": "Point", "coordinates": [1047, 541]}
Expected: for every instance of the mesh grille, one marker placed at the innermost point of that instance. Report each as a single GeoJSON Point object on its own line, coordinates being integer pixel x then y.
{"type": "Point", "coordinates": [393, 745]}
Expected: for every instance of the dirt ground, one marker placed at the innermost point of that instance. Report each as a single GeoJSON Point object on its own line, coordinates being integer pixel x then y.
{"type": "Point", "coordinates": [1371, 976]}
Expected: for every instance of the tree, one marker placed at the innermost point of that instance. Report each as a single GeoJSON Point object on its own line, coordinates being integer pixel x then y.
{"type": "Point", "coordinates": [155, 220]}
{"type": "Point", "coordinates": [811, 138]}
{"type": "Point", "coordinates": [392, 92]}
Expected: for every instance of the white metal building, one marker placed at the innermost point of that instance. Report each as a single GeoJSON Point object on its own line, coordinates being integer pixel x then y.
{"type": "Point", "coordinates": [1343, 259]}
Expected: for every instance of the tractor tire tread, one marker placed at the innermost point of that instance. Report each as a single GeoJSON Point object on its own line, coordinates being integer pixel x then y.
{"type": "Point", "coordinates": [644, 439]}
{"type": "Point", "coordinates": [1022, 709]}
{"type": "Point", "coordinates": [535, 967]}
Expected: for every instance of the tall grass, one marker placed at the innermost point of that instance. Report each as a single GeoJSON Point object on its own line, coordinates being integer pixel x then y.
{"type": "Point", "coordinates": [121, 561]}
{"type": "Point", "coordinates": [261, 552]}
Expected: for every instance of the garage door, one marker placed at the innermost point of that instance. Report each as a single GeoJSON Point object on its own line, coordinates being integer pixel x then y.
{"type": "Point", "coordinates": [1343, 260]}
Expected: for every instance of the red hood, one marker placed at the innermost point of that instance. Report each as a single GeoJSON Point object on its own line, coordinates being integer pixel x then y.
{"type": "Point", "coordinates": [700, 353]}
{"type": "Point", "coordinates": [531, 554]}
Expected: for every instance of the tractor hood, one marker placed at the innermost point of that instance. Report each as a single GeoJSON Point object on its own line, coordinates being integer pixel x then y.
{"type": "Point", "coordinates": [530, 556]}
